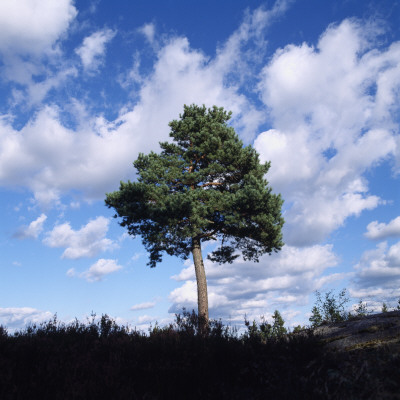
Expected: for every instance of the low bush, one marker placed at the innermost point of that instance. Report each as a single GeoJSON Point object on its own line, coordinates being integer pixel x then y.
{"type": "Point", "coordinates": [100, 360]}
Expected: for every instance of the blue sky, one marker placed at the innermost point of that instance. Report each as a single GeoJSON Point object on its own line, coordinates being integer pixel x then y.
{"type": "Point", "coordinates": [85, 86]}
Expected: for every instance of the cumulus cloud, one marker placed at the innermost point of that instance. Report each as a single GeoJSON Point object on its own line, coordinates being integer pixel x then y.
{"type": "Point", "coordinates": [93, 48]}
{"type": "Point", "coordinates": [30, 32]}
{"type": "Point", "coordinates": [99, 269]}
{"type": "Point", "coordinates": [33, 230]}
{"type": "Point", "coordinates": [18, 317]}
{"type": "Point", "coordinates": [377, 275]}
{"type": "Point", "coordinates": [88, 241]}
{"type": "Point", "coordinates": [330, 125]}
{"type": "Point", "coordinates": [244, 287]}
{"type": "Point", "coordinates": [183, 75]}
{"type": "Point", "coordinates": [379, 231]}
{"type": "Point", "coordinates": [51, 159]}
{"type": "Point", "coordinates": [33, 26]}
{"type": "Point", "coordinates": [333, 108]}
{"type": "Point", "coordinates": [143, 306]}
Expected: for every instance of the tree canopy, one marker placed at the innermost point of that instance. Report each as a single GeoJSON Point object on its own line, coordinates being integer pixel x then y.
{"type": "Point", "coordinates": [205, 185]}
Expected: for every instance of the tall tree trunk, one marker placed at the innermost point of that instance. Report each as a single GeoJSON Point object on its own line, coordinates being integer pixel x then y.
{"type": "Point", "coordinates": [202, 297]}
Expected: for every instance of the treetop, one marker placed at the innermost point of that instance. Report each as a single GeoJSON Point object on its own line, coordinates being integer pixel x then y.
{"type": "Point", "coordinates": [204, 185]}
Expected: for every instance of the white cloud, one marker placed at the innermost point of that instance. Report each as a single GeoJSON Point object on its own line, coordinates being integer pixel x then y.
{"type": "Point", "coordinates": [33, 230]}
{"type": "Point", "coordinates": [149, 31]}
{"type": "Point", "coordinates": [99, 269]}
{"type": "Point", "coordinates": [51, 159]}
{"type": "Point", "coordinates": [14, 317]}
{"type": "Point", "coordinates": [378, 231]}
{"type": "Point", "coordinates": [333, 109]}
{"type": "Point", "coordinates": [317, 106]}
{"type": "Point", "coordinates": [184, 76]}
{"type": "Point", "coordinates": [330, 126]}
{"type": "Point", "coordinates": [88, 241]}
{"type": "Point", "coordinates": [30, 31]}
{"type": "Point", "coordinates": [146, 319]}
{"type": "Point", "coordinates": [37, 91]}
{"type": "Point", "coordinates": [35, 79]}
{"type": "Point", "coordinates": [279, 280]}
{"type": "Point", "coordinates": [252, 29]}
{"type": "Point", "coordinates": [33, 26]}
{"type": "Point", "coordinates": [143, 306]}
{"type": "Point", "coordinates": [93, 48]}
{"type": "Point", "coordinates": [133, 76]}
{"type": "Point", "coordinates": [377, 275]}
{"type": "Point", "coordinates": [185, 297]}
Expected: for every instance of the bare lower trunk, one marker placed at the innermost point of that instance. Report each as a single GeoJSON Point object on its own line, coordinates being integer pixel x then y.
{"type": "Point", "coordinates": [202, 298]}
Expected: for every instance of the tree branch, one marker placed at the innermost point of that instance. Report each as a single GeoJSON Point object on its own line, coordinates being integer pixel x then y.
{"type": "Point", "coordinates": [204, 235]}
{"type": "Point", "coordinates": [212, 184]}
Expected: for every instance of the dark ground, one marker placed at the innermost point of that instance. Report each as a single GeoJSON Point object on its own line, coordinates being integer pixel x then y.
{"type": "Point", "coordinates": [105, 361]}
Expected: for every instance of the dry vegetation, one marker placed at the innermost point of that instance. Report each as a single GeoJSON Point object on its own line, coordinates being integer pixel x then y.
{"type": "Point", "coordinates": [103, 360]}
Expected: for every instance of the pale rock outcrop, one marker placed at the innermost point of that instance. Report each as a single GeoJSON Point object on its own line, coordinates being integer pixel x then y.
{"type": "Point", "coordinates": [362, 332]}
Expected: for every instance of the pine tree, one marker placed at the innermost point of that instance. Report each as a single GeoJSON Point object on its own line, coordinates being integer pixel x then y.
{"type": "Point", "coordinates": [204, 186]}
{"type": "Point", "coordinates": [316, 317]}
{"type": "Point", "coordinates": [278, 329]}
{"type": "Point", "coordinates": [361, 309]}
{"type": "Point", "coordinates": [299, 328]}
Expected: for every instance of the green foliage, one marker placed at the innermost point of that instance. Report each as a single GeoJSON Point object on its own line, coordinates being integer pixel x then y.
{"type": "Point", "coordinates": [332, 308]}
{"type": "Point", "coordinates": [361, 309]}
{"type": "Point", "coordinates": [260, 331]}
{"type": "Point", "coordinates": [187, 324]}
{"type": "Point", "coordinates": [388, 307]}
{"type": "Point", "coordinates": [102, 328]}
{"type": "Point", "coordinates": [265, 331]}
{"type": "Point", "coordinates": [316, 317]}
{"type": "Point", "coordinates": [329, 309]}
{"type": "Point", "coordinates": [278, 328]}
{"type": "Point", "coordinates": [203, 185]}
{"type": "Point", "coordinates": [299, 328]}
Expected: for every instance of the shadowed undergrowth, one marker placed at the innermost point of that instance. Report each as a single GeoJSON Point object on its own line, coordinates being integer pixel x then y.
{"type": "Point", "coordinates": [103, 360]}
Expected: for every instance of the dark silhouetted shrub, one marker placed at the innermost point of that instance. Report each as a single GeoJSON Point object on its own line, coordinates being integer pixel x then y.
{"type": "Point", "coordinates": [100, 360]}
